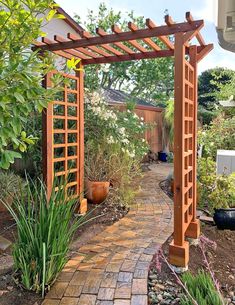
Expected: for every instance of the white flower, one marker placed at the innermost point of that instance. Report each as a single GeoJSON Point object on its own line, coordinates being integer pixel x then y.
{"type": "Point", "coordinates": [110, 140]}
{"type": "Point", "coordinates": [142, 118]}
{"type": "Point", "coordinates": [125, 119]}
{"type": "Point", "coordinates": [125, 141]}
{"type": "Point", "coordinates": [135, 115]}
{"type": "Point", "coordinates": [132, 155]}
{"type": "Point", "coordinates": [143, 140]}
{"type": "Point", "coordinates": [122, 130]}
{"type": "Point", "coordinates": [105, 68]}
{"type": "Point", "coordinates": [141, 123]}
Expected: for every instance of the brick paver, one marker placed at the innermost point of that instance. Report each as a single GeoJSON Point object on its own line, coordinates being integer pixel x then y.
{"type": "Point", "coordinates": [112, 268]}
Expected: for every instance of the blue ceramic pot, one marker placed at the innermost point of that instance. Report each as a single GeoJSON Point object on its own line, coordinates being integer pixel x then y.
{"type": "Point", "coordinates": [225, 219]}
{"type": "Point", "coordinates": [162, 156]}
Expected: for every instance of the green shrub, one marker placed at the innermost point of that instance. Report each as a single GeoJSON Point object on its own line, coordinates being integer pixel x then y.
{"type": "Point", "coordinates": [206, 174]}
{"type": "Point", "coordinates": [11, 186]}
{"type": "Point", "coordinates": [103, 123]}
{"type": "Point", "coordinates": [220, 134]}
{"type": "Point", "coordinates": [201, 288]}
{"type": "Point", "coordinates": [44, 232]}
{"type": "Point", "coordinates": [22, 71]}
{"type": "Point", "coordinates": [223, 194]}
{"type": "Point", "coordinates": [214, 191]}
{"type": "Point", "coordinates": [114, 145]}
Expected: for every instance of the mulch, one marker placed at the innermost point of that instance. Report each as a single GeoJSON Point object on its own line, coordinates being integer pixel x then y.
{"type": "Point", "coordinates": [221, 259]}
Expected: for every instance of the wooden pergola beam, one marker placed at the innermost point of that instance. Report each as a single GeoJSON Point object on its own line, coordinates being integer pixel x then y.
{"type": "Point", "coordinates": [134, 43]}
{"type": "Point", "coordinates": [102, 33]}
{"type": "Point", "coordinates": [199, 37]}
{"type": "Point", "coordinates": [128, 57]}
{"type": "Point", "coordinates": [148, 41]}
{"type": "Point", "coordinates": [204, 51]}
{"type": "Point", "coordinates": [72, 52]}
{"type": "Point", "coordinates": [135, 56]}
{"type": "Point", "coordinates": [94, 49]}
{"type": "Point", "coordinates": [80, 50]}
{"type": "Point", "coordinates": [125, 36]}
{"type": "Point", "coordinates": [189, 35]}
{"type": "Point", "coordinates": [151, 25]}
{"type": "Point", "coordinates": [168, 20]}
{"type": "Point", "coordinates": [107, 47]}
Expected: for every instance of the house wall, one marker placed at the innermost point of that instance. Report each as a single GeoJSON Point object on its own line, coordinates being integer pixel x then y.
{"type": "Point", "coordinates": [57, 27]}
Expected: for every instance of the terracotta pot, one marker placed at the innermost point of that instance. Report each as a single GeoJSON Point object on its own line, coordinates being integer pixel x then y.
{"type": "Point", "coordinates": [97, 191]}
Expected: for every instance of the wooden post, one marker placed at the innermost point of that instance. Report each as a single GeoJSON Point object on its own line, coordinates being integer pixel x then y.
{"type": "Point", "coordinates": [80, 84]}
{"type": "Point", "coordinates": [193, 230]}
{"type": "Point", "coordinates": [179, 248]}
{"type": "Point", "coordinates": [47, 142]}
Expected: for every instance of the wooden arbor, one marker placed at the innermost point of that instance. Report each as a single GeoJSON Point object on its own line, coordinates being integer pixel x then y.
{"type": "Point", "coordinates": [134, 44]}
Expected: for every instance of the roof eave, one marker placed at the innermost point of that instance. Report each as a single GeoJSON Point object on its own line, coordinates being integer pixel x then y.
{"type": "Point", "coordinates": [70, 21]}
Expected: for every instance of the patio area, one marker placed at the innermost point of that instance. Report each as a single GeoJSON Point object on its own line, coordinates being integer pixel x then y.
{"type": "Point", "coordinates": [112, 269]}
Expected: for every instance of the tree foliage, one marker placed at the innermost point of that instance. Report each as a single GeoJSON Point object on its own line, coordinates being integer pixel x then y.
{"type": "Point", "coordinates": [21, 72]}
{"type": "Point", "coordinates": [210, 86]}
{"type": "Point", "coordinates": [150, 79]}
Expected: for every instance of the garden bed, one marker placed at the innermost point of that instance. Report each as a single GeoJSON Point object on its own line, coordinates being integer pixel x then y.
{"type": "Point", "coordinates": [163, 285]}
{"type": "Point", "coordinates": [9, 293]}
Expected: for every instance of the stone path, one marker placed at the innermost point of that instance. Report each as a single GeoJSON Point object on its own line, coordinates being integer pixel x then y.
{"type": "Point", "coordinates": [112, 269]}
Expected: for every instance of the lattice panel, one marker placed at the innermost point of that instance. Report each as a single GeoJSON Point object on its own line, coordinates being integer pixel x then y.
{"type": "Point", "coordinates": [188, 105]}
{"type": "Point", "coordinates": [63, 137]}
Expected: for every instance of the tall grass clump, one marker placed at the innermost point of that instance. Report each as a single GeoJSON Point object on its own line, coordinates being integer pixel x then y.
{"type": "Point", "coordinates": [201, 289]}
{"type": "Point", "coordinates": [45, 229]}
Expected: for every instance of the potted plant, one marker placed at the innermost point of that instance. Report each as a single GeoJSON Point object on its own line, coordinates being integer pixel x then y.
{"type": "Point", "coordinates": [97, 173]}
{"type": "Point", "coordinates": [223, 200]}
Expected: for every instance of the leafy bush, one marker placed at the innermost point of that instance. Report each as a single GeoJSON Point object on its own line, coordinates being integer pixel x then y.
{"type": "Point", "coordinates": [114, 143]}
{"type": "Point", "coordinates": [220, 134]}
{"type": "Point", "coordinates": [214, 191]}
{"type": "Point", "coordinates": [11, 186]}
{"type": "Point", "coordinates": [223, 194]}
{"type": "Point", "coordinates": [201, 288]}
{"type": "Point", "coordinates": [105, 124]}
{"type": "Point", "coordinates": [206, 173]}
{"type": "Point", "coordinates": [44, 232]}
{"type": "Point", "coordinates": [22, 71]}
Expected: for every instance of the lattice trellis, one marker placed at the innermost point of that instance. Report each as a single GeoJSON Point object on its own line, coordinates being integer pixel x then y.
{"type": "Point", "coordinates": [188, 187]}
{"type": "Point", "coordinates": [63, 136]}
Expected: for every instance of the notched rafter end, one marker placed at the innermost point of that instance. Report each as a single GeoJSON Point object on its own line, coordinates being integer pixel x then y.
{"type": "Point", "coordinates": [189, 17]}
{"type": "Point", "coordinates": [168, 20]}
{"type": "Point", "coordinates": [116, 29]}
{"type": "Point", "coordinates": [100, 32]}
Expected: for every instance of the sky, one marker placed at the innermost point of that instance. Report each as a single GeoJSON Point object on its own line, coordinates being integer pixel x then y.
{"type": "Point", "coordinates": [155, 9]}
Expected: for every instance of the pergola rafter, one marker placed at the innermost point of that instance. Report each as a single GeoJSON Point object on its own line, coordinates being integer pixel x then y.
{"type": "Point", "coordinates": [124, 46]}
{"type": "Point", "coordinates": [135, 44]}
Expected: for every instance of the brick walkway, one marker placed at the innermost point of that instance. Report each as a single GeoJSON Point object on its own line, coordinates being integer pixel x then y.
{"type": "Point", "coordinates": [112, 269]}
